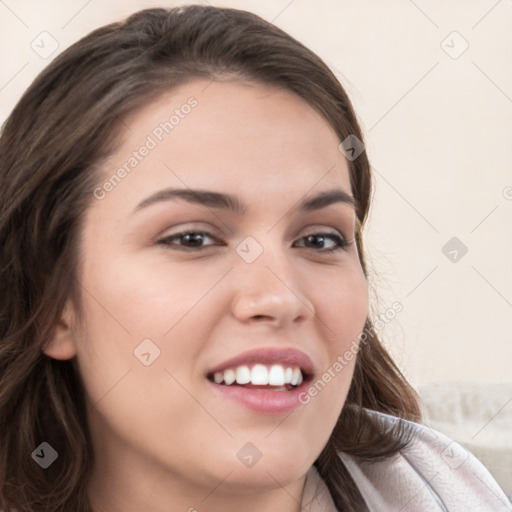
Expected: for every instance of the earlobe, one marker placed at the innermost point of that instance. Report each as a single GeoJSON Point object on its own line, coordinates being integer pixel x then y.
{"type": "Point", "coordinates": [63, 344]}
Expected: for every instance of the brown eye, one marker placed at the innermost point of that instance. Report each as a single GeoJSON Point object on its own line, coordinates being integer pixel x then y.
{"type": "Point", "coordinates": [190, 240]}
{"type": "Point", "coordinates": [187, 239]}
{"type": "Point", "coordinates": [315, 239]}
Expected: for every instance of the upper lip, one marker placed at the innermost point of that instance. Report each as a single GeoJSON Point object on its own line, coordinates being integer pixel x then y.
{"type": "Point", "coordinates": [268, 355]}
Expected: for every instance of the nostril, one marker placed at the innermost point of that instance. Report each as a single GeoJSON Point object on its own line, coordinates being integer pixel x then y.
{"type": "Point", "coordinates": [260, 317]}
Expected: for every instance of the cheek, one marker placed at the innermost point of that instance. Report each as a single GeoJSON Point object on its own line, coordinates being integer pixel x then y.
{"type": "Point", "coordinates": [131, 311]}
{"type": "Point", "coordinates": [127, 302]}
{"type": "Point", "coordinates": [342, 308]}
{"type": "Point", "coordinates": [137, 298]}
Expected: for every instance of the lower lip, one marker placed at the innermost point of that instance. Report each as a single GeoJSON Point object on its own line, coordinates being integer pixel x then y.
{"type": "Point", "coordinates": [262, 401]}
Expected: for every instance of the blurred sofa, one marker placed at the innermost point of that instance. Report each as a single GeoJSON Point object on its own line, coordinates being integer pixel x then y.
{"type": "Point", "coordinates": [479, 417]}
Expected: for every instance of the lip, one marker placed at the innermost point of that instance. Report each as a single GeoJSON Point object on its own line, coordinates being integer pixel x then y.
{"type": "Point", "coordinates": [260, 400]}
{"type": "Point", "coordinates": [268, 356]}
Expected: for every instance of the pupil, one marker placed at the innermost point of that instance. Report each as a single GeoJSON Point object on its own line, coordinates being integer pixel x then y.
{"type": "Point", "coordinates": [318, 237]}
{"type": "Point", "coordinates": [194, 237]}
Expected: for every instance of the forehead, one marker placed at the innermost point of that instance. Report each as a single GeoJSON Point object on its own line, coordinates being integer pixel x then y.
{"type": "Point", "coordinates": [212, 135]}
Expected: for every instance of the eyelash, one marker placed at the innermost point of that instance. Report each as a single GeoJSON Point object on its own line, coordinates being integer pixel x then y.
{"type": "Point", "coordinates": [341, 242]}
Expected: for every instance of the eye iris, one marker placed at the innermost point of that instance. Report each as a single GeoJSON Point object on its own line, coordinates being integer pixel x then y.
{"type": "Point", "coordinates": [311, 238]}
{"type": "Point", "coordinates": [196, 238]}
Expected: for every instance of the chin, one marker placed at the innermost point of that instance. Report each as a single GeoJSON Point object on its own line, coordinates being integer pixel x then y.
{"type": "Point", "coordinates": [267, 464]}
{"type": "Point", "coordinates": [276, 472]}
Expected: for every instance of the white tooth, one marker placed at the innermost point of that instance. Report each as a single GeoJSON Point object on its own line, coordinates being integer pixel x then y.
{"type": "Point", "coordinates": [259, 375]}
{"type": "Point", "coordinates": [296, 375]}
{"type": "Point", "coordinates": [218, 377]}
{"type": "Point", "coordinates": [301, 378]}
{"type": "Point", "coordinates": [276, 375]}
{"type": "Point", "coordinates": [229, 377]}
{"type": "Point", "coordinates": [243, 375]}
{"type": "Point", "coordinates": [288, 376]}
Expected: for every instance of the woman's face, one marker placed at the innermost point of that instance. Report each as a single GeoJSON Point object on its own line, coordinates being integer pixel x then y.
{"type": "Point", "coordinates": [170, 321]}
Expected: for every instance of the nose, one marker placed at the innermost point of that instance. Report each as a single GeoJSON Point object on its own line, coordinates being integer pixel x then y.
{"type": "Point", "coordinates": [271, 290]}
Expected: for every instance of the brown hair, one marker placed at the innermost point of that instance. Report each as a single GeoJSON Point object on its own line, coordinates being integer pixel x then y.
{"type": "Point", "coordinates": [64, 124]}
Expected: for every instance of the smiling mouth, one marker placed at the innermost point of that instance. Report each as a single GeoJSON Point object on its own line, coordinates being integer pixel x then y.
{"type": "Point", "coordinates": [274, 377]}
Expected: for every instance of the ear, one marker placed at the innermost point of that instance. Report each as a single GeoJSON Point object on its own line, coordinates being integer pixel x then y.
{"type": "Point", "coordinates": [63, 344]}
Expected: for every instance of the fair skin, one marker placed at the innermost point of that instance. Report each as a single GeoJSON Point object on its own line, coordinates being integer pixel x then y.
{"type": "Point", "coordinates": [163, 437]}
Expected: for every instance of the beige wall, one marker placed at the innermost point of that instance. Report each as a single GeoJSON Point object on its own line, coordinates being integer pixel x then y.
{"type": "Point", "coordinates": [438, 131]}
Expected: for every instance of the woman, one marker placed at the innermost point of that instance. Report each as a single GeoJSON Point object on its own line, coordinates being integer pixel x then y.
{"type": "Point", "coordinates": [184, 323]}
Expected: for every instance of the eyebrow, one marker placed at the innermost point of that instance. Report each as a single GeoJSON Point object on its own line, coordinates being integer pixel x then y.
{"type": "Point", "coordinates": [232, 203]}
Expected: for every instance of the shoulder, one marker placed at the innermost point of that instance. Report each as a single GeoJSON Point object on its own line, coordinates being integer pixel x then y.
{"type": "Point", "coordinates": [433, 473]}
